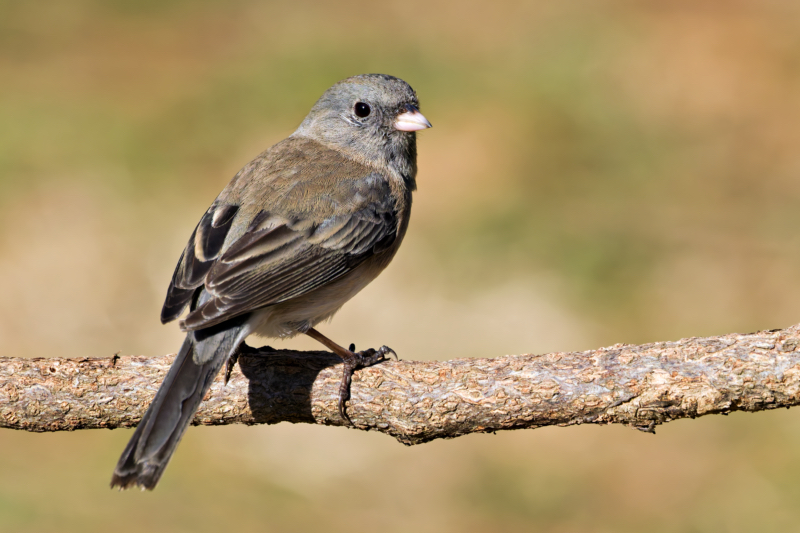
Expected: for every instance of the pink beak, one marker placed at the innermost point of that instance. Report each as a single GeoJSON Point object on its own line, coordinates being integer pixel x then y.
{"type": "Point", "coordinates": [411, 120]}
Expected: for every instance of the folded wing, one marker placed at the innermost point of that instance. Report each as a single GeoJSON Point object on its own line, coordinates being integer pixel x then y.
{"type": "Point", "coordinates": [277, 258]}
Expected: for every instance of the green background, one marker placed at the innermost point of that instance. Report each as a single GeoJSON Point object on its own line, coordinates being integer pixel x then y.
{"type": "Point", "coordinates": [598, 172]}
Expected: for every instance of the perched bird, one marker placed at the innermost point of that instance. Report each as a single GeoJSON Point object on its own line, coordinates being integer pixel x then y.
{"type": "Point", "coordinates": [296, 233]}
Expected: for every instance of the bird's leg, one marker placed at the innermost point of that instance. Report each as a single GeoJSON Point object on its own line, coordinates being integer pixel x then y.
{"type": "Point", "coordinates": [352, 361]}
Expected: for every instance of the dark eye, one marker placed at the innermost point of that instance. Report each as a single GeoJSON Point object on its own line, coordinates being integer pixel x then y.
{"type": "Point", "coordinates": [362, 110]}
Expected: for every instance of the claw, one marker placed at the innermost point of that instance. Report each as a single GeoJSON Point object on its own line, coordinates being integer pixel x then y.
{"type": "Point", "coordinates": [352, 361]}
{"type": "Point", "coordinates": [386, 351]}
{"type": "Point", "coordinates": [358, 360]}
{"type": "Point", "coordinates": [230, 364]}
{"type": "Point", "coordinates": [344, 388]}
{"type": "Point", "coordinates": [243, 349]}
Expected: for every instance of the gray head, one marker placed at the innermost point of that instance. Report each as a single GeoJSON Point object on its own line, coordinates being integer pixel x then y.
{"type": "Point", "coordinates": [373, 118]}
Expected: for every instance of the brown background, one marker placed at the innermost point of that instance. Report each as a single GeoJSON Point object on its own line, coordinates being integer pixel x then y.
{"type": "Point", "coordinates": [598, 172]}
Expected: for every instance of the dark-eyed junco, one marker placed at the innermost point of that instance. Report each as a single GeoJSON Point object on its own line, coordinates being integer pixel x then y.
{"type": "Point", "coordinates": [296, 233]}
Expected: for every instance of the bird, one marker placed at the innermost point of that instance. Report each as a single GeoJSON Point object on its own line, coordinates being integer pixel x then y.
{"type": "Point", "coordinates": [297, 232]}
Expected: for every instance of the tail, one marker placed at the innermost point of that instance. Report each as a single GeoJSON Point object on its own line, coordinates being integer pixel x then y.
{"type": "Point", "coordinates": [202, 355]}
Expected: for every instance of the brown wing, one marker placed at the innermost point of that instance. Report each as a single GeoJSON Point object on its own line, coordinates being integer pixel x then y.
{"type": "Point", "coordinates": [276, 260]}
{"type": "Point", "coordinates": [247, 259]}
{"type": "Point", "coordinates": [196, 261]}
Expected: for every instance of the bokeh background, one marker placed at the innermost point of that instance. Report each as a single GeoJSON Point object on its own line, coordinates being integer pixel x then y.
{"type": "Point", "coordinates": [598, 172]}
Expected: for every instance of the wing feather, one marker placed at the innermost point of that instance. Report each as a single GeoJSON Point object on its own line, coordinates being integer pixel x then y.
{"type": "Point", "coordinates": [270, 266]}
{"type": "Point", "coordinates": [249, 257]}
{"type": "Point", "coordinates": [198, 257]}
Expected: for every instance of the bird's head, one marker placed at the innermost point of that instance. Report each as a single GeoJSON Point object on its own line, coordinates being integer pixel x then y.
{"type": "Point", "coordinates": [372, 117]}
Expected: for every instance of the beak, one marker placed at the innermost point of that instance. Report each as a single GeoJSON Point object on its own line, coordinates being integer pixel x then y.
{"type": "Point", "coordinates": [411, 120]}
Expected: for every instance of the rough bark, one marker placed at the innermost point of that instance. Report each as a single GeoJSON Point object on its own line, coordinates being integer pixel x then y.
{"type": "Point", "coordinates": [415, 401]}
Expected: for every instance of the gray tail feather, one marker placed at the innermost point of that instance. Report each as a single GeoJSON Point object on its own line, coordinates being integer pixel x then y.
{"type": "Point", "coordinates": [162, 426]}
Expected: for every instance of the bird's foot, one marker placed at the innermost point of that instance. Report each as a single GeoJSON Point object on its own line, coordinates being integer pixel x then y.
{"type": "Point", "coordinates": [243, 349]}
{"type": "Point", "coordinates": [383, 350]}
{"type": "Point", "coordinates": [353, 361]}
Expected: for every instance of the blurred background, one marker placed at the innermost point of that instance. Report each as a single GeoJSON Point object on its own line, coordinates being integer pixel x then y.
{"type": "Point", "coordinates": [598, 172]}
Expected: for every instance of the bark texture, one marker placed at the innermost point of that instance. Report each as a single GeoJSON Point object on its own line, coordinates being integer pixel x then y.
{"type": "Point", "coordinates": [418, 401]}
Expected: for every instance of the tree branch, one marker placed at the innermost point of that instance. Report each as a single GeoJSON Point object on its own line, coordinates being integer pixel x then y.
{"type": "Point", "coordinates": [418, 401]}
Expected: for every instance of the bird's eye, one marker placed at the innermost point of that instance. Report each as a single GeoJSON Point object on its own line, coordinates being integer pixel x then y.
{"type": "Point", "coordinates": [362, 110]}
